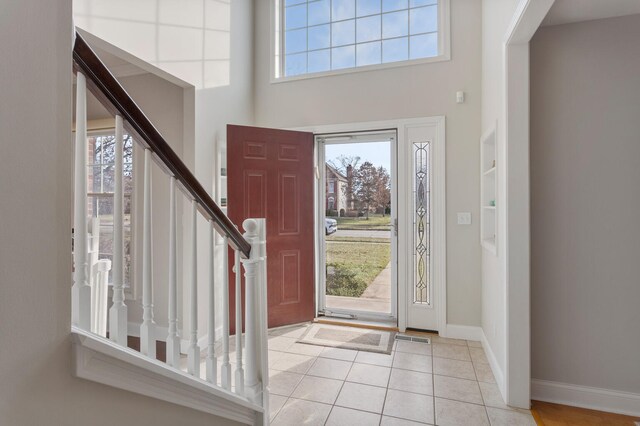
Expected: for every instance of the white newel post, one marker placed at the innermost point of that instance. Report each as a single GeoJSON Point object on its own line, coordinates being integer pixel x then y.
{"type": "Point", "coordinates": [212, 361]}
{"type": "Point", "coordinates": [254, 324]}
{"type": "Point", "coordinates": [264, 315]}
{"type": "Point", "coordinates": [147, 328]}
{"type": "Point", "coordinates": [193, 354]}
{"type": "Point", "coordinates": [173, 340]}
{"type": "Point", "coordinates": [118, 311]}
{"type": "Point", "coordinates": [237, 269]}
{"type": "Point", "coordinates": [225, 371]}
{"type": "Point", "coordinates": [81, 291]}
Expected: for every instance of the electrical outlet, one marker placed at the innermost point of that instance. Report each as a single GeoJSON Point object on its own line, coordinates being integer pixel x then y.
{"type": "Point", "coordinates": [464, 218]}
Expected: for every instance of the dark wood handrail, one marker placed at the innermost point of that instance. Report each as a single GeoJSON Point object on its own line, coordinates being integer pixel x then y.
{"type": "Point", "coordinates": [115, 98]}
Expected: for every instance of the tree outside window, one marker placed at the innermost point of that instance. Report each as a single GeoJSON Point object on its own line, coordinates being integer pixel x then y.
{"type": "Point", "coordinates": [101, 185]}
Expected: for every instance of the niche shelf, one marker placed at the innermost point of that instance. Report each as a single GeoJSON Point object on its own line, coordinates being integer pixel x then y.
{"type": "Point", "coordinates": [488, 192]}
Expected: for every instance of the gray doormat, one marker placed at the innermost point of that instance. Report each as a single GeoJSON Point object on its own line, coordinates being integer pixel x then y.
{"type": "Point", "coordinates": [358, 339]}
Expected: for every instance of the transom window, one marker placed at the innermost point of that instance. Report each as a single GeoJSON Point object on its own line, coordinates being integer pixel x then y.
{"type": "Point", "coordinates": [316, 36]}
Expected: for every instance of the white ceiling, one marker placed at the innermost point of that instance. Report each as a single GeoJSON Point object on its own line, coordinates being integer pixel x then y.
{"type": "Point", "coordinates": [569, 11]}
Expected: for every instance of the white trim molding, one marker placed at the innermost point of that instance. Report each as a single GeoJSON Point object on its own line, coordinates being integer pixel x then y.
{"type": "Point", "coordinates": [466, 332]}
{"type": "Point", "coordinates": [495, 367]}
{"type": "Point", "coordinates": [439, 224]}
{"type": "Point", "coordinates": [608, 400]}
{"type": "Point", "coordinates": [515, 206]}
{"type": "Point", "coordinates": [276, 47]}
{"type": "Point", "coordinates": [133, 329]}
{"type": "Point", "coordinates": [103, 361]}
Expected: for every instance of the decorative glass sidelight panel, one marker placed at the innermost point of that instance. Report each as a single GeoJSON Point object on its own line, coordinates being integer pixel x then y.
{"type": "Point", "coordinates": [421, 221]}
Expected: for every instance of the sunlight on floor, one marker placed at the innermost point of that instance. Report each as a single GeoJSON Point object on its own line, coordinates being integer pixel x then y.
{"type": "Point", "coordinates": [446, 382]}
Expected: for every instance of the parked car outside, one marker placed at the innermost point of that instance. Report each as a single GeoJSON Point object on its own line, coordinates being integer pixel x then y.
{"type": "Point", "coordinates": [330, 226]}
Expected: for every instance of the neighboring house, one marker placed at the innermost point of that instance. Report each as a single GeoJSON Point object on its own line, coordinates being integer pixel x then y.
{"type": "Point", "coordinates": [336, 190]}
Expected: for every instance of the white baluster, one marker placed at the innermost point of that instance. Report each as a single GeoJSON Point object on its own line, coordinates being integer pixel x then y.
{"type": "Point", "coordinates": [118, 311]}
{"type": "Point", "coordinates": [253, 269]}
{"type": "Point", "coordinates": [212, 361]}
{"type": "Point", "coordinates": [100, 294]}
{"type": "Point", "coordinates": [239, 371]}
{"type": "Point", "coordinates": [81, 292]}
{"type": "Point", "coordinates": [147, 329]}
{"type": "Point", "coordinates": [93, 241]}
{"type": "Point", "coordinates": [173, 340]}
{"type": "Point", "coordinates": [226, 365]}
{"type": "Point", "coordinates": [193, 354]}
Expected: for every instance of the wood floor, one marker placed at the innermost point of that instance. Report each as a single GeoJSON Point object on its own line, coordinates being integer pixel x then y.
{"type": "Point", "coordinates": [549, 414]}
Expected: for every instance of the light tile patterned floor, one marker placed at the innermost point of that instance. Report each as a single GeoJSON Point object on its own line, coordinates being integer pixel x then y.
{"type": "Point", "coordinates": [448, 382]}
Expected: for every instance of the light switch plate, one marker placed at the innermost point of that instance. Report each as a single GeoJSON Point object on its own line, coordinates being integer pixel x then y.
{"type": "Point", "coordinates": [464, 218]}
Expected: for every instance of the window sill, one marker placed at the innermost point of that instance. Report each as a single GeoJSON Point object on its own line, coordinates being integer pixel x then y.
{"type": "Point", "coordinates": [100, 360]}
{"type": "Point", "coordinates": [390, 65]}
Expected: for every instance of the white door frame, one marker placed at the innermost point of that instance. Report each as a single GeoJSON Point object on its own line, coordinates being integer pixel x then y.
{"type": "Point", "coordinates": [516, 263]}
{"type": "Point", "coordinates": [438, 188]}
{"type": "Point", "coordinates": [320, 231]}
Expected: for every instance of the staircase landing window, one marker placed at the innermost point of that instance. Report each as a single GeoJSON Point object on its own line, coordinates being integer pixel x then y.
{"type": "Point", "coordinates": [101, 181]}
{"type": "Point", "coordinates": [318, 37]}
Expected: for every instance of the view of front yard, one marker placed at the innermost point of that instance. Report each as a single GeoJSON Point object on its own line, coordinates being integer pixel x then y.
{"type": "Point", "coordinates": [353, 263]}
{"type": "Point", "coordinates": [357, 192]}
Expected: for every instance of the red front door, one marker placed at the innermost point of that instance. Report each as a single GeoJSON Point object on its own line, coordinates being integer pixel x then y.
{"type": "Point", "coordinates": [270, 175]}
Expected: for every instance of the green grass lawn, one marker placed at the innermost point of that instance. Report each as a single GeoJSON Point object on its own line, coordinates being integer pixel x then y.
{"type": "Point", "coordinates": [352, 266]}
{"type": "Point", "coordinates": [376, 222]}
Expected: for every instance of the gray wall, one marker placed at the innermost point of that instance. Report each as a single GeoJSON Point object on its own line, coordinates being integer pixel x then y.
{"type": "Point", "coordinates": [162, 102]}
{"type": "Point", "coordinates": [35, 261]}
{"type": "Point", "coordinates": [585, 199]}
{"type": "Point", "coordinates": [403, 92]}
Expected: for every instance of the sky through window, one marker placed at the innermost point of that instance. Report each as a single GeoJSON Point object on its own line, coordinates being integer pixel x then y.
{"type": "Point", "coordinates": [325, 35]}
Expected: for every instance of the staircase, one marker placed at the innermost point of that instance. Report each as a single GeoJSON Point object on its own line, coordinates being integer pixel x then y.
{"type": "Point", "coordinates": [238, 390]}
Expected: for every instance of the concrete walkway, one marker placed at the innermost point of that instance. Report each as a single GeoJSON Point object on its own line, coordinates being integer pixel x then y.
{"type": "Point", "coordinates": [380, 287]}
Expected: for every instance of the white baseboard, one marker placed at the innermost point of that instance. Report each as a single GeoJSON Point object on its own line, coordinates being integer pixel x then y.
{"type": "Point", "coordinates": [203, 342]}
{"type": "Point", "coordinates": [466, 332]}
{"type": "Point", "coordinates": [495, 367]}
{"type": "Point", "coordinates": [608, 400]}
{"type": "Point", "coordinates": [133, 329]}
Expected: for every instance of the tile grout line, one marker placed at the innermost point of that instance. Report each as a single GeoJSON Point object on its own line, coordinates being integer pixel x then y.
{"type": "Point", "coordinates": [433, 386]}
{"type": "Point", "coordinates": [484, 404]}
{"type": "Point", "coordinates": [386, 392]}
{"type": "Point", "coordinates": [340, 391]}
{"type": "Point", "coordinates": [486, 412]}
{"type": "Point", "coordinates": [391, 368]}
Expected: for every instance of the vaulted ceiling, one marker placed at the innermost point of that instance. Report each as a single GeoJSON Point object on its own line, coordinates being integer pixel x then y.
{"type": "Point", "coordinates": [569, 11]}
